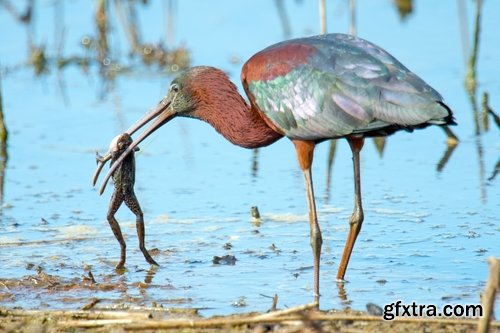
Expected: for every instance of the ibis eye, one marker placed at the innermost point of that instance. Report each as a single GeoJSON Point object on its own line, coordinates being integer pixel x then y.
{"type": "Point", "coordinates": [174, 87]}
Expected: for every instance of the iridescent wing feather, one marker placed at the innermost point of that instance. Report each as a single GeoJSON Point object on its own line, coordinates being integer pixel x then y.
{"type": "Point", "coordinates": [344, 85]}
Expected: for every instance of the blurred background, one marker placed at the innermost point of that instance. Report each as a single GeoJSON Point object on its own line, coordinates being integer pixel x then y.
{"type": "Point", "coordinates": [73, 74]}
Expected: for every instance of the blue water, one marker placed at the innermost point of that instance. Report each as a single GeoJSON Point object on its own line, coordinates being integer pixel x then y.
{"type": "Point", "coordinates": [426, 235]}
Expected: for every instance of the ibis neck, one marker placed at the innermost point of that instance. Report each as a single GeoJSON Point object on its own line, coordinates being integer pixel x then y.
{"type": "Point", "coordinates": [244, 127]}
{"type": "Point", "coordinates": [220, 105]}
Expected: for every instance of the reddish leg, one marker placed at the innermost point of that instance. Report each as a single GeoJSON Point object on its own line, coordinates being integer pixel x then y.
{"type": "Point", "coordinates": [356, 219]}
{"type": "Point", "coordinates": [305, 151]}
{"type": "Point", "coordinates": [114, 204]}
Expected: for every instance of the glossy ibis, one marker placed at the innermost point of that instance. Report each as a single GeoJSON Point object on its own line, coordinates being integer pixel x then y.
{"type": "Point", "coordinates": [309, 90]}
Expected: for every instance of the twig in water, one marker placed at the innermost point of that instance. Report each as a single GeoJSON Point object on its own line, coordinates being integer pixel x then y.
{"type": "Point", "coordinates": [275, 302]}
{"type": "Point", "coordinates": [488, 299]}
{"type": "Point", "coordinates": [288, 311]}
{"type": "Point", "coordinates": [91, 304]}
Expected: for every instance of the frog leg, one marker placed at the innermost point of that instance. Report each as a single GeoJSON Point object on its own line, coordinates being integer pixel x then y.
{"type": "Point", "coordinates": [114, 204]}
{"type": "Point", "coordinates": [133, 204]}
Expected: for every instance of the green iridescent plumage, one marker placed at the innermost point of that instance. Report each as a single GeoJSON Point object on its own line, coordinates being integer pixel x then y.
{"type": "Point", "coordinates": [346, 86]}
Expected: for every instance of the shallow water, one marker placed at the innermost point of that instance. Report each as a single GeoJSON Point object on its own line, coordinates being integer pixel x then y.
{"type": "Point", "coordinates": [426, 236]}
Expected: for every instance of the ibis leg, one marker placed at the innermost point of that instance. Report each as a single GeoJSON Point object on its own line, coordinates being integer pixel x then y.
{"type": "Point", "coordinates": [133, 204]}
{"type": "Point", "coordinates": [356, 219]}
{"type": "Point", "coordinates": [316, 239]}
{"type": "Point", "coordinates": [114, 204]}
{"type": "Point", "coordinates": [305, 152]}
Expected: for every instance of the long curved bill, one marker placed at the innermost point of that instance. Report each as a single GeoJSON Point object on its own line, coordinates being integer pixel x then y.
{"type": "Point", "coordinates": [101, 161]}
{"type": "Point", "coordinates": [161, 115]}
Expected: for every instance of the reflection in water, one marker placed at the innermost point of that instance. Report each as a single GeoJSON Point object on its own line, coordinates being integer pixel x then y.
{"type": "Point", "coordinates": [101, 22]}
{"type": "Point", "coordinates": [37, 58]}
{"type": "Point", "coordinates": [23, 17]}
{"type": "Point", "coordinates": [488, 111]}
{"type": "Point", "coordinates": [255, 163]}
{"type": "Point", "coordinates": [120, 271]}
{"type": "Point", "coordinates": [3, 144]}
{"type": "Point", "coordinates": [322, 16]}
{"type": "Point", "coordinates": [495, 171]}
{"type": "Point", "coordinates": [127, 17]}
{"type": "Point", "coordinates": [380, 145]}
{"type": "Point", "coordinates": [452, 139]}
{"type": "Point", "coordinates": [171, 14]}
{"type": "Point", "coordinates": [470, 76]}
{"type": "Point", "coordinates": [59, 33]}
{"type": "Point", "coordinates": [3, 165]}
{"type": "Point", "coordinates": [482, 169]}
{"type": "Point", "coordinates": [404, 7]}
{"type": "Point", "coordinates": [471, 88]}
{"type": "Point", "coordinates": [452, 142]}
{"type": "Point", "coordinates": [447, 153]}
{"type": "Point", "coordinates": [464, 34]}
{"type": "Point", "coordinates": [97, 50]}
{"type": "Point", "coordinates": [352, 22]}
{"type": "Point", "coordinates": [285, 22]}
{"type": "Point", "coordinates": [342, 293]}
{"type": "Point", "coordinates": [331, 156]}
{"type": "Point", "coordinates": [150, 274]}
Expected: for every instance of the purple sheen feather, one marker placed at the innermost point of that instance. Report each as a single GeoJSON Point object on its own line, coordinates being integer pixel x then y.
{"type": "Point", "coordinates": [351, 107]}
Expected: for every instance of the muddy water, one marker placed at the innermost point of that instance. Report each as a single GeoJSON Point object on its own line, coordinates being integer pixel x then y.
{"type": "Point", "coordinates": [427, 233]}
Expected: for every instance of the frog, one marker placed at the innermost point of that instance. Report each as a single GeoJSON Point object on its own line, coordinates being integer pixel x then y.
{"type": "Point", "coordinates": [123, 181]}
